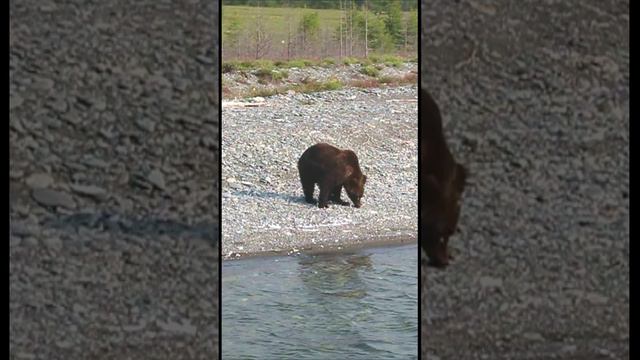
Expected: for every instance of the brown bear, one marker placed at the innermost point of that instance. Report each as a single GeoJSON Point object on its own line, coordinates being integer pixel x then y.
{"type": "Point", "coordinates": [332, 169]}
{"type": "Point", "coordinates": [442, 182]}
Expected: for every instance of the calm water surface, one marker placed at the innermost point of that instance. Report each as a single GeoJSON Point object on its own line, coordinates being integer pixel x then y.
{"type": "Point", "coordinates": [357, 305]}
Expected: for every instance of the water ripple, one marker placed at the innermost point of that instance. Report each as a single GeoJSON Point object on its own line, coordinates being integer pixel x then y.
{"type": "Point", "coordinates": [359, 305]}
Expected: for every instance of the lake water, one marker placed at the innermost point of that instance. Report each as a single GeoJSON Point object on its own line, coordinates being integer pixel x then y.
{"type": "Point", "coordinates": [356, 305]}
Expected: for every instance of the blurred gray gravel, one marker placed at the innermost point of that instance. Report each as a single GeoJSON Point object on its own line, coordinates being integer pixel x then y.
{"type": "Point", "coordinates": [113, 180]}
{"type": "Point", "coordinates": [535, 96]}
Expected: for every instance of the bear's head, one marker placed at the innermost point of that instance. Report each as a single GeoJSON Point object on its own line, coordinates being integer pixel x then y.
{"type": "Point", "coordinates": [354, 186]}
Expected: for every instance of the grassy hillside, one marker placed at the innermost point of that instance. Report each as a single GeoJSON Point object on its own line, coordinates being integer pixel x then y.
{"type": "Point", "coordinates": [277, 20]}
{"type": "Point", "coordinates": [281, 35]}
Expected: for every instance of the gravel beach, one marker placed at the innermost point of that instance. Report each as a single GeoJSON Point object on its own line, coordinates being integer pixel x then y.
{"type": "Point", "coordinates": [262, 200]}
{"type": "Point", "coordinates": [113, 180]}
{"type": "Point", "coordinates": [535, 97]}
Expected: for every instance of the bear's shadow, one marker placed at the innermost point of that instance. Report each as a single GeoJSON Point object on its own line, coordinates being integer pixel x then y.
{"type": "Point", "coordinates": [272, 195]}
{"type": "Point", "coordinates": [138, 226]}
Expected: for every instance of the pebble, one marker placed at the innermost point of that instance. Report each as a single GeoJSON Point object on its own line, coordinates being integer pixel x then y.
{"type": "Point", "coordinates": [15, 101]}
{"type": "Point", "coordinates": [156, 178]}
{"type": "Point", "coordinates": [53, 198]}
{"type": "Point", "coordinates": [533, 336]}
{"type": "Point", "coordinates": [204, 60]}
{"type": "Point", "coordinates": [569, 349]}
{"type": "Point", "coordinates": [95, 102]}
{"type": "Point", "coordinates": [596, 299]}
{"type": "Point", "coordinates": [95, 162]}
{"type": "Point", "coordinates": [59, 105]}
{"type": "Point", "coordinates": [92, 191]}
{"type": "Point", "coordinates": [490, 282]}
{"type": "Point", "coordinates": [52, 243]}
{"type": "Point", "coordinates": [39, 181]}
{"type": "Point", "coordinates": [22, 230]}
{"type": "Point", "coordinates": [31, 241]}
{"type": "Point", "coordinates": [43, 84]}
{"type": "Point", "coordinates": [146, 124]}
{"type": "Point", "coordinates": [180, 328]}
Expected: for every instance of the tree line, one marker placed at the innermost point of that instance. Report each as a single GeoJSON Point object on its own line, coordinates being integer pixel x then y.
{"type": "Point", "coordinates": [362, 28]}
{"type": "Point", "coordinates": [374, 5]}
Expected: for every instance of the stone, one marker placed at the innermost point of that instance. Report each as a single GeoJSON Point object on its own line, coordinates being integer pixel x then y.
{"type": "Point", "coordinates": [64, 344]}
{"type": "Point", "coordinates": [53, 243]}
{"type": "Point", "coordinates": [96, 102]}
{"type": "Point", "coordinates": [72, 117]}
{"type": "Point", "coordinates": [53, 198]}
{"type": "Point", "coordinates": [596, 299]}
{"type": "Point", "coordinates": [95, 162]}
{"type": "Point", "coordinates": [92, 191]}
{"type": "Point", "coordinates": [533, 336]}
{"type": "Point", "coordinates": [15, 101]}
{"type": "Point", "coordinates": [15, 174]}
{"type": "Point", "coordinates": [43, 84]}
{"type": "Point", "coordinates": [22, 230]}
{"type": "Point", "coordinates": [146, 124]}
{"type": "Point", "coordinates": [31, 241]}
{"type": "Point", "coordinates": [205, 60]}
{"type": "Point", "coordinates": [39, 181]}
{"type": "Point", "coordinates": [209, 143]}
{"type": "Point", "coordinates": [156, 178]}
{"type": "Point", "coordinates": [174, 327]}
{"type": "Point", "coordinates": [490, 282]}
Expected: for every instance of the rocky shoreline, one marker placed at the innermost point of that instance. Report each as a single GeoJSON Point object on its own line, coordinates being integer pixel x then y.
{"type": "Point", "coordinates": [263, 206]}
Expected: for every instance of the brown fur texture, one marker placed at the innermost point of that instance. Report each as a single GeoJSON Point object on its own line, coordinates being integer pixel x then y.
{"type": "Point", "coordinates": [332, 169]}
{"type": "Point", "coordinates": [442, 182]}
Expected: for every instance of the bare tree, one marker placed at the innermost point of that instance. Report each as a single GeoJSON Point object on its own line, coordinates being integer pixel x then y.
{"type": "Point", "coordinates": [341, 20]}
{"type": "Point", "coordinates": [351, 29]}
{"type": "Point", "coordinates": [406, 33]}
{"type": "Point", "coordinates": [366, 29]}
{"type": "Point", "coordinates": [261, 38]}
{"type": "Point", "coordinates": [289, 36]}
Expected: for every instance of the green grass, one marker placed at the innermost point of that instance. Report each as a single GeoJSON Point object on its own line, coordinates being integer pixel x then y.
{"type": "Point", "coordinates": [370, 71]}
{"type": "Point", "coordinates": [327, 63]}
{"type": "Point", "coordinates": [392, 60]}
{"type": "Point", "coordinates": [268, 75]}
{"type": "Point", "coordinates": [233, 65]}
{"type": "Point", "coordinates": [311, 85]}
{"type": "Point", "coordinates": [374, 61]}
{"type": "Point", "coordinates": [350, 61]}
{"type": "Point", "coordinates": [387, 80]}
{"type": "Point", "coordinates": [277, 19]}
{"type": "Point", "coordinates": [308, 86]}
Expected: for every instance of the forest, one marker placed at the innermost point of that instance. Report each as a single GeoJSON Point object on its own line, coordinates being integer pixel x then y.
{"type": "Point", "coordinates": [314, 29]}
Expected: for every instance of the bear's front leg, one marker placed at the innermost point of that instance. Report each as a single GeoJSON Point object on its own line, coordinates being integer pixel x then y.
{"type": "Point", "coordinates": [335, 196]}
{"type": "Point", "coordinates": [323, 197]}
